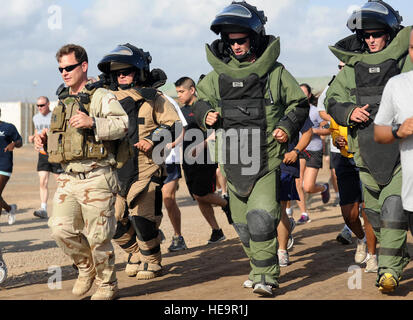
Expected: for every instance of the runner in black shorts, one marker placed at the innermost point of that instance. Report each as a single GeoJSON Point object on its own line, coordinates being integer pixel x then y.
{"type": "Point", "coordinates": [200, 176]}
{"type": "Point", "coordinates": [41, 121]}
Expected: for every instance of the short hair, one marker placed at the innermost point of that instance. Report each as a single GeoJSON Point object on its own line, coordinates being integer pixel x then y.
{"type": "Point", "coordinates": [185, 82]}
{"type": "Point", "coordinates": [44, 97]}
{"type": "Point", "coordinates": [80, 52]}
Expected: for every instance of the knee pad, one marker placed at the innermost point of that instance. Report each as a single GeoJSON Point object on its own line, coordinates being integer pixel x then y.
{"type": "Point", "coordinates": [392, 214]}
{"type": "Point", "coordinates": [374, 218]}
{"type": "Point", "coordinates": [121, 229]}
{"type": "Point", "coordinates": [145, 230]}
{"type": "Point", "coordinates": [261, 225]}
{"type": "Point", "coordinates": [158, 200]}
{"type": "Point", "coordinates": [243, 233]}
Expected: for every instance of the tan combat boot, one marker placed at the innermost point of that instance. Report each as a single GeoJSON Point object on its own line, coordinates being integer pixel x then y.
{"type": "Point", "coordinates": [108, 292]}
{"type": "Point", "coordinates": [83, 285]}
{"type": "Point", "coordinates": [149, 271]}
{"type": "Point", "coordinates": [132, 267]}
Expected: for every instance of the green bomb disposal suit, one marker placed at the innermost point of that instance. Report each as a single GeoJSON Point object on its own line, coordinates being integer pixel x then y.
{"type": "Point", "coordinates": [253, 99]}
{"type": "Point", "coordinates": [362, 82]}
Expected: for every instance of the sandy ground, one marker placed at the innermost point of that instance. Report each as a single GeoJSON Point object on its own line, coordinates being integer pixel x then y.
{"type": "Point", "coordinates": [320, 269]}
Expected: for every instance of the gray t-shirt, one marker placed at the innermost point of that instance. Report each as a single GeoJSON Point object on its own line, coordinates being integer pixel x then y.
{"type": "Point", "coordinates": [321, 107]}
{"type": "Point", "coordinates": [40, 121]}
{"type": "Point", "coordinates": [395, 107]}
{"type": "Point", "coordinates": [316, 144]}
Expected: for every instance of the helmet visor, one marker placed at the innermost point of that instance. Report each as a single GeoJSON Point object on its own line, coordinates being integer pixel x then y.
{"type": "Point", "coordinates": [375, 7]}
{"type": "Point", "coordinates": [235, 10]}
{"type": "Point", "coordinates": [121, 50]}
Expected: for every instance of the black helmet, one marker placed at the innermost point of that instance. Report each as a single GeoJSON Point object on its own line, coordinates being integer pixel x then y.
{"type": "Point", "coordinates": [239, 17]}
{"type": "Point", "coordinates": [125, 56]}
{"type": "Point", "coordinates": [375, 14]}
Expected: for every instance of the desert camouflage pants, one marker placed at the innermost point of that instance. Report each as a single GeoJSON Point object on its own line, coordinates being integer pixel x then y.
{"type": "Point", "coordinates": [83, 221]}
{"type": "Point", "coordinates": [139, 216]}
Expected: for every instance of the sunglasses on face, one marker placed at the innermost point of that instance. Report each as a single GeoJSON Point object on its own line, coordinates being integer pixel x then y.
{"type": "Point", "coordinates": [124, 72]}
{"type": "Point", "coordinates": [70, 68]}
{"type": "Point", "coordinates": [41, 105]}
{"type": "Point", "coordinates": [340, 67]}
{"type": "Point", "coordinates": [375, 35]}
{"type": "Point", "coordinates": [240, 41]}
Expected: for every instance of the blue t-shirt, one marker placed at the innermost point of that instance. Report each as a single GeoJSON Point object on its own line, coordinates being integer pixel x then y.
{"type": "Point", "coordinates": [294, 169]}
{"type": "Point", "coordinates": [8, 134]}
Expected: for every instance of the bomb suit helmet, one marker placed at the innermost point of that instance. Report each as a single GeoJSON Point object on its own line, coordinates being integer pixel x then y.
{"type": "Point", "coordinates": [375, 14]}
{"type": "Point", "coordinates": [127, 56]}
{"type": "Point", "coordinates": [241, 17]}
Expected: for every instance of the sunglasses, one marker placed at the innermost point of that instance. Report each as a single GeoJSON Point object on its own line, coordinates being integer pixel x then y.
{"type": "Point", "coordinates": [375, 35]}
{"type": "Point", "coordinates": [340, 67]}
{"type": "Point", "coordinates": [41, 105]}
{"type": "Point", "coordinates": [70, 68]}
{"type": "Point", "coordinates": [124, 72]}
{"type": "Point", "coordinates": [240, 41]}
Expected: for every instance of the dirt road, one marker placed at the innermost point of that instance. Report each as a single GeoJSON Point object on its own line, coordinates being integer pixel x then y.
{"type": "Point", "coordinates": [320, 269]}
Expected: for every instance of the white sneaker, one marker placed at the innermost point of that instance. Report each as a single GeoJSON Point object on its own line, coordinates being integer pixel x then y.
{"type": "Point", "coordinates": [12, 214]}
{"type": "Point", "coordinates": [283, 258]}
{"type": "Point", "coordinates": [247, 283]}
{"type": "Point", "coordinates": [344, 236]}
{"type": "Point", "coordinates": [371, 263]}
{"type": "Point", "coordinates": [3, 271]}
{"type": "Point", "coordinates": [361, 252]}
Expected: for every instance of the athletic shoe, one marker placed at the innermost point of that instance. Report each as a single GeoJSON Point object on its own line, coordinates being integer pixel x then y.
{"type": "Point", "coordinates": [40, 213]}
{"type": "Point", "coordinates": [248, 283]}
{"type": "Point", "coordinates": [325, 195]}
{"type": "Point", "coordinates": [227, 210]}
{"type": "Point", "coordinates": [371, 263]}
{"type": "Point", "coordinates": [344, 237]}
{"type": "Point", "coordinates": [264, 289]}
{"type": "Point", "coordinates": [387, 283]}
{"type": "Point", "coordinates": [216, 236]}
{"type": "Point", "coordinates": [3, 271]}
{"type": "Point", "coordinates": [303, 219]}
{"type": "Point", "coordinates": [361, 252]}
{"type": "Point", "coordinates": [290, 242]}
{"type": "Point", "coordinates": [12, 214]}
{"type": "Point", "coordinates": [283, 258]}
{"type": "Point", "coordinates": [178, 243]}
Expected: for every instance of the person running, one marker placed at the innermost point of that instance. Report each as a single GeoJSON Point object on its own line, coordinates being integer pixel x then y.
{"type": "Point", "coordinates": [310, 167]}
{"type": "Point", "coordinates": [9, 139]}
{"type": "Point", "coordinates": [41, 120]}
{"type": "Point", "coordinates": [200, 175]}
{"type": "Point", "coordinates": [290, 171]}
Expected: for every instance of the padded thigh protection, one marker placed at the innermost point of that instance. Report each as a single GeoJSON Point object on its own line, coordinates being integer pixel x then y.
{"type": "Point", "coordinates": [243, 233]}
{"type": "Point", "coordinates": [262, 226]}
{"type": "Point", "coordinates": [145, 229]}
{"type": "Point", "coordinates": [392, 214]}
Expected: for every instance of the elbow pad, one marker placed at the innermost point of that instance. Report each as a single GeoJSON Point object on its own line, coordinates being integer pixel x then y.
{"type": "Point", "coordinates": [294, 120]}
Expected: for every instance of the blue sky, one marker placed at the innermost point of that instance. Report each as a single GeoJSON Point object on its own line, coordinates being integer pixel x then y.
{"type": "Point", "coordinates": [174, 32]}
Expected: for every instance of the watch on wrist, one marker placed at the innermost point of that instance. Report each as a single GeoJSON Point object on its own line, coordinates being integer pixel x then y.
{"type": "Point", "coordinates": [394, 130]}
{"type": "Point", "coordinates": [296, 150]}
{"type": "Point", "coordinates": [93, 123]}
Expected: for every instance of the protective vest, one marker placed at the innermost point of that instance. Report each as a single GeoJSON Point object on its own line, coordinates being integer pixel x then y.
{"type": "Point", "coordinates": [244, 120]}
{"type": "Point", "coordinates": [370, 83]}
{"type": "Point", "coordinates": [66, 143]}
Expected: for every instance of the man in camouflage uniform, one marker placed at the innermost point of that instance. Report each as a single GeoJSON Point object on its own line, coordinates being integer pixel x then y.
{"type": "Point", "coordinates": [81, 137]}
{"type": "Point", "coordinates": [139, 202]}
